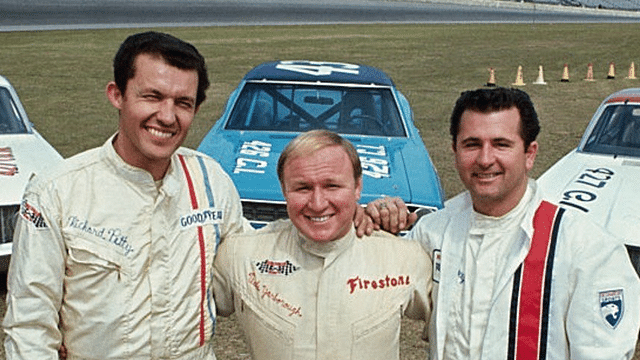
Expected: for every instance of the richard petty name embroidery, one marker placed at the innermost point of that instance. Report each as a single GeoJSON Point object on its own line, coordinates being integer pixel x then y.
{"type": "Point", "coordinates": [112, 235]}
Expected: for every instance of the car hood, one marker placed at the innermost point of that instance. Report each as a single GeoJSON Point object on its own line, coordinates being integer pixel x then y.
{"type": "Point", "coordinates": [20, 156]}
{"type": "Point", "coordinates": [603, 187]}
{"type": "Point", "coordinates": [250, 158]}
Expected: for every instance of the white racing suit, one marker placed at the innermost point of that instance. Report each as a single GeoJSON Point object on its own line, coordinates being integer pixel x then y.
{"type": "Point", "coordinates": [115, 266]}
{"type": "Point", "coordinates": [298, 299]}
{"type": "Point", "coordinates": [576, 296]}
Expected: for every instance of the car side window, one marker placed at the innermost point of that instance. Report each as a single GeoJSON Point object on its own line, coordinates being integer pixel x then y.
{"type": "Point", "coordinates": [10, 120]}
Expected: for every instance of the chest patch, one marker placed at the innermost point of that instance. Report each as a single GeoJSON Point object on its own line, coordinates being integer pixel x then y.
{"type": "Point", "coordinates": [612, 307]}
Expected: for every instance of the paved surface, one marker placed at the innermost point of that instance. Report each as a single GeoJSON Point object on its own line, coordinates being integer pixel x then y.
{"type": "Point", "coordinates": [17, 15]}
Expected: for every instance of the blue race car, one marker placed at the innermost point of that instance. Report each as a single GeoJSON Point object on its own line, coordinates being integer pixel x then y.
{"type": "Point", "coordinates": [276, 101]}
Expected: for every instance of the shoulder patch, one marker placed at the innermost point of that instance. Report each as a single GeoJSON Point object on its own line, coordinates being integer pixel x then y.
{"type": "Point", "coordinates": [32, 215]}
{"type": "Point", "coordinates": [612, 306]}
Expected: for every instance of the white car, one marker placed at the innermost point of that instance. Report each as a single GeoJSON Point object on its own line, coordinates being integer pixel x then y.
{"type": "Point", "coordinates": [23, 151]}
{"type": "Point", "coordinates": [601, 177]}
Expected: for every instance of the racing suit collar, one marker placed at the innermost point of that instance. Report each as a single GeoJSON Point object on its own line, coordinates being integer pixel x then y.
{"type": "Point", "coordinates": [143, 179]}
{"type": "Point", "coordinates": [327, 250]}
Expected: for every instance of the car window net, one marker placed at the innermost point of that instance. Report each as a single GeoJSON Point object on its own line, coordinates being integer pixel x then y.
{"type": "Point", "coordinates": [10, 120]}
{"type": "Point", "coordinates": [299, 108]}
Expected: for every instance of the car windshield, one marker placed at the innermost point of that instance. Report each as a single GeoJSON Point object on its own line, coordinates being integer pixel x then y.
{"type": "Point", "coordinates": [617, 131]}
{"type": "Point", "coordinates": [10, 120]}
{"type": "Point", "coordinates": [302, 107]}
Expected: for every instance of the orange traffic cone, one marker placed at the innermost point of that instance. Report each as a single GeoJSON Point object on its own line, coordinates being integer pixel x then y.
{"type": "Point", "coordinates": [589, 73]}
{"type": "Point", "coordinates": [492, 78]}
{"type": "Point", "coordinates": [632, 71]}
{"type": "Point", "coordinates": [540, 80]}
{"type": "Point", "coordinates": [612, 71]}
{"type": "Point", "coordinates": [565, 73]}
{"type": "Point", "coordinates": [519, 78]}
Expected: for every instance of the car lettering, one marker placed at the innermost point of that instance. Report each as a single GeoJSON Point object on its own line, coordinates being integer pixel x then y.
{"type": "Point", "coordinates": [252, 165]}
{"type": "Point", "coordinates": [375, 167]}
{"type": "Point", "coordinates": [318, 68]}
{"type": "Point", "coordinates": [593, 179]}
{"type": "Point", "coordinates": [256, 148]}
{"type": "Point", "coordinates": [8, 167]}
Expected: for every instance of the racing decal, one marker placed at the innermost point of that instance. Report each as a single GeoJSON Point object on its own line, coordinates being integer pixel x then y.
{"type": "Point", "coordinates": [250, 160]}
{"type": "Point", "coordinates": [267, 294]}
{"type": "Point", "coordinates": [528, 325]}
{"type": "Point", "coordinates": [612, 307]}
{"type": "Point", "coordinates": [437, 265]}
{"type": "Point", "coordinates": [374, 161]}
{"type": "Point", "coordinates": [111, 235]}
{"type": "Point", "coordinates": [32, 215]}
{"type": "Point", "coordinates": [8, 165]}
{"type": "Point", "coordinates": [276, 267]}
{"type": "Point", "coordinates": [198, 218]}
{"type": "Point", "coordinates": [202, 201]}
{"type": "Point", "coordinates": [318, 68]}
{"type": "Point", "coordinates": [587, 185]}
{"type": "Point", "coordinates": [357, 283]}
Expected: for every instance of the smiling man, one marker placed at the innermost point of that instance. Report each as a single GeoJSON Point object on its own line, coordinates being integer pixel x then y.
{"type": "Point", "coordinates": [308, 288]}
{"type": "Point", "coordinates": [516, 277]}
{"type": "Point", "coordinates": [113, 251]}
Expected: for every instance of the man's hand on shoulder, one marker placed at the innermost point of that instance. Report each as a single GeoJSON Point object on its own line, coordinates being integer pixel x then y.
{"type": "Point", "coordinates": [363, 222]}
{"type": "Point", "coordinates": [390, 214]}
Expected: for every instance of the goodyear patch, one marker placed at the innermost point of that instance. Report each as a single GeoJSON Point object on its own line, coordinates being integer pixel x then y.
{"type": "Point", "coordinates": [612, 306]}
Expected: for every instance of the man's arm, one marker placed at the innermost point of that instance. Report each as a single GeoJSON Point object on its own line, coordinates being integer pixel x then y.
{"type": "Point", "coordinates": [222, 282]}
{"type": "Point", "coordinates": [603, 314]}
{"type": "Point", "coordinates": [34, 282]}
{"type": "Point", "coordinates": [420, 306]}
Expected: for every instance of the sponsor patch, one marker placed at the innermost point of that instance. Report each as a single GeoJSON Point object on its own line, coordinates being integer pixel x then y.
{"type": "Point", "coordinates": [358, 283]}
{"type": "Point", "coordinates": [612, 306]}
{"type": "Point", "coordinates": [202, 217]}
{"type": "Point", "coordinates": [285, 267]}
{"type": "Point", "coordinates": [437, 264]}
{"type": "Point", "coordinates": [32, 215]}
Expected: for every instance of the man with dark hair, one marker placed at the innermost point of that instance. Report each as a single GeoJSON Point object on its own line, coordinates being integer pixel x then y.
{"type": "Point", "coordinates": [307, 287]}
{"type": "Point", "coordinates": [515, 276]}
{"type": "Point", "coordinates": [113, 251]}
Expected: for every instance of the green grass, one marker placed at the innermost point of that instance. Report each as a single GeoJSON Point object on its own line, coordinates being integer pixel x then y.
{"type": "Point", "coordinates": [61, 75]}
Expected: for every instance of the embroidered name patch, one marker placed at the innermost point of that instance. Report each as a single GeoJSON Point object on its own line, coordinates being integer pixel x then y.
{"type": "Point", "coordinates": [111, 235]}
{"type": "Point", "coordinates": [275, 297]}
{"type": "Point", "coordinates": [612, 306]}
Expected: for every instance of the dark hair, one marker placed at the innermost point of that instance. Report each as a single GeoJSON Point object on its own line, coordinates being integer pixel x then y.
{"type": "Point", "coordinates": [496, 99]}
{"type": "Point", "coordinates": [174, 51]}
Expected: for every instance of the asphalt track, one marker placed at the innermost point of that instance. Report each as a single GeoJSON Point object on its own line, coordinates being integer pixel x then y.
{"type": "Point", "coordinates": [25, 15]}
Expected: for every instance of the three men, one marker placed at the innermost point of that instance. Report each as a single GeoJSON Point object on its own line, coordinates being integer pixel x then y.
{"type": "Point", "coordinates": [514, 275]}
{"type": "Point", "coordinates": [308, 288]}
